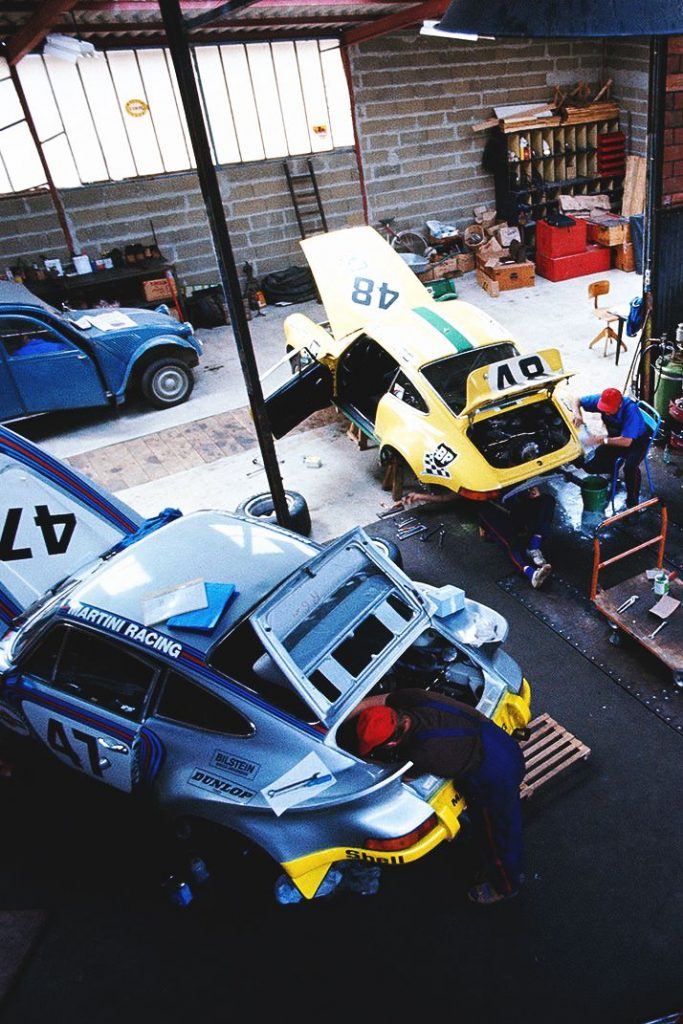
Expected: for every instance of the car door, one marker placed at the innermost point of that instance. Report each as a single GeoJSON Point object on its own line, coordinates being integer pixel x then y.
{"type": "Point", "coordinates": [305, 392]}
{"type": "Point", "coordinates": [57, 374]}
{"type": "Point", "coordinates": [85, 697]}
{"type": "Point", "coordinates": [10, 403]}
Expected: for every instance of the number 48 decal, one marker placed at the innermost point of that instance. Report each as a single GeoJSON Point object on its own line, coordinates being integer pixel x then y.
{"type": "Point", "coordinates": [56, 541]}
{"type": "Point", "coordinates": [367, 292]}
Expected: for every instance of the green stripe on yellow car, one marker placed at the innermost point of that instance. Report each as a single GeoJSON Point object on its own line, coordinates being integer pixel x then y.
{"type": "Point", "coordinates": [449, 332]}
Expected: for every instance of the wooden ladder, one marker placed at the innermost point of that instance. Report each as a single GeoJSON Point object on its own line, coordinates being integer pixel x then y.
{"type": "Point", "coordinates": [308, 207]}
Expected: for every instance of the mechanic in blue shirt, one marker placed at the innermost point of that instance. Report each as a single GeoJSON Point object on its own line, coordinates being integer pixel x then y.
{"type": "Point", "coordinates": [627, 435]}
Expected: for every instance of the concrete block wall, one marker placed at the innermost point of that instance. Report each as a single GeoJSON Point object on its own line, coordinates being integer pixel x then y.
{"type": "Point", "coordinates": [416, 101]}
{"type": "Point", "coordinates": [418, 97]}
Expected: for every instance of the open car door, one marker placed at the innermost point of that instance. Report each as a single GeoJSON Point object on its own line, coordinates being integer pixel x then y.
{"type": "Point", "coordinates": [308, 390]}
{"type": "Point", "coordinates": [52, 522]}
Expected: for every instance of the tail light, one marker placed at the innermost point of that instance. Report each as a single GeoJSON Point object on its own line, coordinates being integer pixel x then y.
{"type": "Point", "coordinates": [403, 842]}
{"type": "Point", "coordinates": [478, 495]}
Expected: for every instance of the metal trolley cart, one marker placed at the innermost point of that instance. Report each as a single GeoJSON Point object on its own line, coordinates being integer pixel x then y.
{"type": "Point", "coordinates": [629, 604]}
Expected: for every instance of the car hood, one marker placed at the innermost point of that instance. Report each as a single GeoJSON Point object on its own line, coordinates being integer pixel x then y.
{"type": "Point", "coordinates": [359, 276]}
{"type": "Point", "coordinates": [102, 323]}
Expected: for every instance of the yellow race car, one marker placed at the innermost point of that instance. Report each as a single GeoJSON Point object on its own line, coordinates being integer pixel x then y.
{"type": "Point", "coordinates": [438, 384]}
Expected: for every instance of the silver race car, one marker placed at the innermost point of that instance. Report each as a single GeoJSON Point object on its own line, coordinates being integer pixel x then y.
{"type": "Point", "coordinates": [210, 663]}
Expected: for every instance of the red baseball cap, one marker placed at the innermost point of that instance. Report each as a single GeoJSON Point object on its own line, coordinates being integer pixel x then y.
{"type": "Point", "coordinates": [610, 400]}
{"type": "Point", "coordinates": [374, 727]}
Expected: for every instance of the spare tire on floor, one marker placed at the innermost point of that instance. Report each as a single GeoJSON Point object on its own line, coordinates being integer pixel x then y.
{"type": "Point", "coordinates": [389, 550]}
{"type": "Point", "coordinates": [260, 506]}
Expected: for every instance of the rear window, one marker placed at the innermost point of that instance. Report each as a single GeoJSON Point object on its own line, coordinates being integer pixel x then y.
{"type": "Point", "coordinates": [449, 376]}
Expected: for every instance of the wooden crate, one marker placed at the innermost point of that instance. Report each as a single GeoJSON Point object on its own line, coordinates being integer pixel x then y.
{"type": "Point", "coordinates": [441, 269]}
{"type": "Point", "coordinates": [512, 275]}
{"type": "Point", "coordinates": [490, 286]}
{"type": "Point", "coordinates": [158, 288]}
{"type": "Point", "coordinates": [548, 751]}
{"type": "Point", "coordinates": [624, 257]}
{"type": "Point", "coordinates": [612, 231]}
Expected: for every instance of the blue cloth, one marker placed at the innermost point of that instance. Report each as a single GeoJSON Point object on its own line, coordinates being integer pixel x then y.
{"type": "Point", "coordinates": [40, 347]}
{"type": "Point", "coordinates": [627, 421]}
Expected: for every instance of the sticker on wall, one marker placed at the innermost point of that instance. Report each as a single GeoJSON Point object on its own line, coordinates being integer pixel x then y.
{"type": "Point", "coordinates": [306, 779]}
{"type": "Point", "coordinates": [319, 129]}
{"type": "Point", "coordinates": [437, 461]}
{"type": "Point", "coordinates": [136, 108]}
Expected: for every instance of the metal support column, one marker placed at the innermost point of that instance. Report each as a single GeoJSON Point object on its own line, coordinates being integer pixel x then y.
{"type": "Point", "coordinates": [208, 180]}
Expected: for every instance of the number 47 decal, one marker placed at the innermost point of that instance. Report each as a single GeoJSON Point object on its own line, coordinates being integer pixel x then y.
{"type": "Point", "coordinates": [56, 541]}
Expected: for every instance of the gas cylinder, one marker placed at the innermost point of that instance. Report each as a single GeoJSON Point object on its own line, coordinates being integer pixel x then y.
{"type": "Point", "coordinates": [668, 384]}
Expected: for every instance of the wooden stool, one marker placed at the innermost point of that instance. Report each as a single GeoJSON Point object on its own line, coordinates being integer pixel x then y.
{"type": "Point", "coordinates": [393, 477]}
{"type": "Point", "coordinates": [357, 435]}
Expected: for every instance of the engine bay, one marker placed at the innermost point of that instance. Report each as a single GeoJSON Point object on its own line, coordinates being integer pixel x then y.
{"type": "Point", "coordinates": [520, 435]}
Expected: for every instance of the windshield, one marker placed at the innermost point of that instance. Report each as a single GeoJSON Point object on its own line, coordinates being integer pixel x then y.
{"type": "Point", "coordinates": [449, 376]}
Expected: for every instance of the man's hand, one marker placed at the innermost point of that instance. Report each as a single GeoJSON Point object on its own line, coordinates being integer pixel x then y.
{"type": "Point", "coordinates": [592, 440]}
{"type": "Point", "coordinates": [577, 419]}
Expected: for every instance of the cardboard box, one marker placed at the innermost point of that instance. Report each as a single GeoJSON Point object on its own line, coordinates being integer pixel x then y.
{"type": "Point", "coordinates": [512, 275]}
{"type": "Point", "coordinates": [159, 288]}
{"type": "Point", "coordinates": [440, 270]}
{"type": "Point", "coordinates": [488, 284]}
{"type": "Point", "coordinates": [609, 231]}
{"type": "Point", "coordinates": [465, 261]}
{"type": "Point", "coordinates": [624, 257]}
{"type": "Point", "coordinates": [553, 241]}
{"type": "Point", "coordinates": [560, 268]}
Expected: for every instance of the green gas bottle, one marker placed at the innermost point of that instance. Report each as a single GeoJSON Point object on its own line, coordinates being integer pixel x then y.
{"type": "Point", "coordinates": [668, 383]}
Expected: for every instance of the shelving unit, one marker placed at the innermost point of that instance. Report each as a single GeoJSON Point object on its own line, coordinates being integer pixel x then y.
{"type": "Point", "coordinates": [541, 160]}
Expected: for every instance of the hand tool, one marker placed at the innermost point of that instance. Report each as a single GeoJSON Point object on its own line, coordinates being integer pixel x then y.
{"type": "Point", "coordinates": [406, 522]}
{"type": "Point", "coordinates": [394, 510]}
{"type": "Point", "coordinates": [654, 632]}
{"type": "Point", "coordinates": [410, 531]}
{"type": "Point", "coordinates": [442, 536]}
{"type": "Point", "coordinates": [431, 533]}
{"type": "Point", "coordinates": [315, 780]}
{"type": "Point", "coordinates": [627, 603]}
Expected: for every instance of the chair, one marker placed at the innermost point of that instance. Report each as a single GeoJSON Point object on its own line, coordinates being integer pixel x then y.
{"type": "Point", "coordinates": [654, 421]}
{"type": "Point", "coordinates": [595, 290]}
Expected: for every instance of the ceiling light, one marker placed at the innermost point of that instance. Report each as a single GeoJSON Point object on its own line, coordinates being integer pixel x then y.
{"type": "Point", "coordinates": [67, 48]}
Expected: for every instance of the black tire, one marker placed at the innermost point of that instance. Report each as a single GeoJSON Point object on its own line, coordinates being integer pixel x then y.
{"type": "Point", "coordinates": [260, 506]}
{"type": "Point", "coordinates": [389, 549]}
{"type": "Point", "coordinates": [166, 382]}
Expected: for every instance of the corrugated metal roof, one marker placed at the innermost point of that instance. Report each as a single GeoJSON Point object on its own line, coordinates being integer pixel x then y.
{"type": "Point", "coordinates": [111, 24]}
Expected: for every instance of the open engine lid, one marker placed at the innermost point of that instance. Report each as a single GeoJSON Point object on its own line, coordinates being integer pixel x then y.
{"type": "Point", "coordinates": [514, 378]}
{"type": "Point", "coordinates": [338, 623]}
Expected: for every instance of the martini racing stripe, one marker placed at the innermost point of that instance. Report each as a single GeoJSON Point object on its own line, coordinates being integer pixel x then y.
{"type": "Point", "coordinates": [55, 471]}
{"type": "Point", "coordinates": [79, 714]}
{"type": "Point", "coordinates": [151, 754]}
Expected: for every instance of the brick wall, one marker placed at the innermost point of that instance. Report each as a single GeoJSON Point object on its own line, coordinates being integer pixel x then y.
{"type": "Point", "coordinates": [672, 156]}
{"type": "Point", "coordinates": [416, 101]}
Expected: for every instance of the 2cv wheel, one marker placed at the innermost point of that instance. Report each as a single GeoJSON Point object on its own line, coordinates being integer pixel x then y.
{"type": "Point", "coordinates": [166, 382]}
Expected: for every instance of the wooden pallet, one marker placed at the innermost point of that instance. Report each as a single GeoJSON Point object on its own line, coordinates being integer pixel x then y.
{"type": "Point", "coordinates": [549, 750]}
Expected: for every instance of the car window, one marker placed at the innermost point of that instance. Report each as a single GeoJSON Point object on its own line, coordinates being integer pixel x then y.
{"type": "Point", "coordinates": [241, 656]}
{"type": "Point", "coordinates": [405, 391]}
{"type": "Point", "coordinates": [23, 336]}
{"type": "Point", "coordinates": [449, 376]}
{"type": "Point", "coordinates": [185, 702]}
{"type": "Point", "coordinates": [41, 659]}
{"type": "Point", "coordinates": [103, 673]}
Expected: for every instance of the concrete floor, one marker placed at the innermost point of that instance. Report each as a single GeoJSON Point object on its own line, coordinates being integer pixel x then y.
{"type": "Point", "coordinates": [345, 490]}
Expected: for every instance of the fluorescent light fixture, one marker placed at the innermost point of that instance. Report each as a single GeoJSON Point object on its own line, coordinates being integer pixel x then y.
{"type": "Point", "coordinates": [67, 48]}
{"type": "Point", "coordinates": [429, 29]}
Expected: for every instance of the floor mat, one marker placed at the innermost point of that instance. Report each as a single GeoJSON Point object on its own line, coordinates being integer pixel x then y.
{"type": "Point", "coordinates": [566, 611]}
{"type": "Point", "coordinates": [19, 933]}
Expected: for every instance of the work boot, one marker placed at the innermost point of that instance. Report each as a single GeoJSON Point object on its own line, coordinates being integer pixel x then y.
{"type": "Point", "coordinates": [536, 557]}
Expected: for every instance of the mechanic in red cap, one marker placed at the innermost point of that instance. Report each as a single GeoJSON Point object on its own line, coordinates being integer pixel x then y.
{"type": "Point", "coordinates": [627, 435]}
{"type": "Point", "coordinates": [445, 737]}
